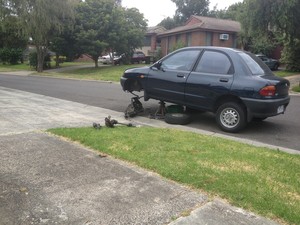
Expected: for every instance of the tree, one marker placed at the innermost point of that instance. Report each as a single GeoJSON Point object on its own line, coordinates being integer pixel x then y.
{"type": "Point", "coordinates": [274, 21]}
{"type": "Point", "coordinates": [131, 32]}
{"type": "Point", "coordinates": [102, 25]}
{"type": "Point", "coordinates": [169, 23]}
{"type": "Point", "coordinates": [12, 42]}
{"type": "Point", "coordinates": [233, 12]}
{"type": "Point", "coordinates": [187, 8]}
{"type": "Point", "coordinates": [41, 20]}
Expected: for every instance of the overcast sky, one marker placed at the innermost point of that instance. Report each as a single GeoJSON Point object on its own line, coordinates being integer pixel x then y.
{"type": "Point", "coordinates": [156, 10]}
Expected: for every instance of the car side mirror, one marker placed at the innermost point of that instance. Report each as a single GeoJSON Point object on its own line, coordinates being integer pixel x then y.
{"type": "Point", "coordinates": [157, 66]}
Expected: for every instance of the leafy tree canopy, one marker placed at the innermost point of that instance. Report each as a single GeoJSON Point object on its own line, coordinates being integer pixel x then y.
{"type": "Point", "coordinates": [103, 25]}
{"type": "Point", "coordinates": [274, 21]}
{"type": "Point", "coordinates": [40, 20]}
{"type": "Point", "coordinates": [186, 8]}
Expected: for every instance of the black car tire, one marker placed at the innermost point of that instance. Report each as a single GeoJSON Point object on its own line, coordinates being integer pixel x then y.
{"type": "Point", "coordinates": [275, 67]}
{"type": "Point", "coordinates": [178, 118]}
{"type": "Point", "coordinates": [231, 117]}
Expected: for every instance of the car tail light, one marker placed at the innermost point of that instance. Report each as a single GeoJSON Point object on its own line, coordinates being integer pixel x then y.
{"type": "Point", "coordinates": [268, 91]}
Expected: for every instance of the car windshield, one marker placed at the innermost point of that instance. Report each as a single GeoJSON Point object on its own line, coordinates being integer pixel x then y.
{"type": "Point", "coordinates": [256, 66]}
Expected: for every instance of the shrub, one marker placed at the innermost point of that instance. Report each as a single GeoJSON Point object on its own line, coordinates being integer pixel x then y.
{"type": "Point", "coordinates": [290, 56]}
{"type": "Point", "coordinates": [4, 55]}
{"type": "Point", "coordinates": [11, 55]}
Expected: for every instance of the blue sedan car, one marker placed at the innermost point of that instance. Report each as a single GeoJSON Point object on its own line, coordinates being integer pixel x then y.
{"type": "Point", "coordinates": [235, 85]}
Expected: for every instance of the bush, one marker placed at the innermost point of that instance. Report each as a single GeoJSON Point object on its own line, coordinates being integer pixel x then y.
{"type": "Point", "coordinates": [11, 55]}
{"type": "Point", "coordinates": [16, 55]}
{"type": "Point", "coordinates": [262, 45]}
{"type": "Point", "coordinates": [290, 56]}
{"type": "Point", "coordinates": [4, 55]}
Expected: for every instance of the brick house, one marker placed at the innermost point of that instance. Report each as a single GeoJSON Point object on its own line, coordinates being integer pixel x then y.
{"type": "Point", "coordinates": [201, 31]}
{"type": "Point", "coordinates": [150, 45]}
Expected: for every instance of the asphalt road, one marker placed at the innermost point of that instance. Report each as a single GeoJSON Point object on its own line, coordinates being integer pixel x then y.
{"type": "Point", "coordinates": [282, 130]}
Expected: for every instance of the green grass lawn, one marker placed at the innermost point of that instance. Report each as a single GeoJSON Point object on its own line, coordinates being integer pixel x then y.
{"type": "Point", "coordinates": [263, 181]}
{"type": "Point", "coordinates": [296, 88]}
{"type": "Point", "coordinates": [105, 73]}
{"type": "Point", "coordinates": [11, 68]}
{"type": "Point", "coordinates": [284, 73]}
{"type": "Point", "coordinates": [25, 66]}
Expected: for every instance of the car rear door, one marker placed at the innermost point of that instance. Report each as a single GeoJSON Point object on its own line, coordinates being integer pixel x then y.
{"type": "Point", "coordinates": [211, 78]}
{"type": "Point", "coordinates": [167, 82]}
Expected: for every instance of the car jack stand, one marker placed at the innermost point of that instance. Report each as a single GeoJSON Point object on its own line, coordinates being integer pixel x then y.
{"type": "Point", "coordinates": [161, 111]}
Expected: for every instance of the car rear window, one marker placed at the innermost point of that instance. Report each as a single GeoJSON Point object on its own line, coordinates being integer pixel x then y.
{"type": "Point", "coordinates": [255, 65]}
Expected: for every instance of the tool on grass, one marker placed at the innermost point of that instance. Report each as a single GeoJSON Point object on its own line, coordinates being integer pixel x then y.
{"type": "Point", "coordinates": [111, 122]}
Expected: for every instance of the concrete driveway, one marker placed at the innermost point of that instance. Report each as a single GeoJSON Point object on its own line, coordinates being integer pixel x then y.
{"type": "Point", "coordinates": [47, 180]}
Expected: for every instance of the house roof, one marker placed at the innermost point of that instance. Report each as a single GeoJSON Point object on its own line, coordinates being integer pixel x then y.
{"type": "Point", "coordinates": [155, 30]}
{"type": "Point", "coordinates": [205, 23]}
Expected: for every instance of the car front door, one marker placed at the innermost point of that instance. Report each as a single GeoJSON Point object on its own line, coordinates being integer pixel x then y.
{"type": "Point", "coordinates": [166, 81]}
{"type": "Point", "coordinates": [212, 77]}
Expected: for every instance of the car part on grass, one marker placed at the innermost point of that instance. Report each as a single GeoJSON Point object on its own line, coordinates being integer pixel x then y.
{"type": "Point", "coordinates": [178, 118]}
{"type": "Point", "coordinates": [111, 123]}
{"type": "Point", "coordinates": [134, 108]}
{"type": "Point", "coordinates": [231, 117]}
{"type": "Point", "coordinates": [97, 126]}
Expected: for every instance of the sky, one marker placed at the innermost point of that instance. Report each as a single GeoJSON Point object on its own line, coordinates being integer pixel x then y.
{"type": "Point", "coordinates": [156, 10]}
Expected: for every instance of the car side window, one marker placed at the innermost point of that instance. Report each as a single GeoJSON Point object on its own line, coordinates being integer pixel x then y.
{"type": "Point", "coordinates": [214, 62]}
{"type": "Point", "coordinates": [183, 60]}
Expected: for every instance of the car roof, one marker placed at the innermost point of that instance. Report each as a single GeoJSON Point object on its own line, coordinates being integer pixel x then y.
{"type": "Point", "coordinates": [214, 48]}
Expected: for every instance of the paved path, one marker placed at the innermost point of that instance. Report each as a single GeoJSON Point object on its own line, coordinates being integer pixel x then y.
{"type": "Point", "coordinates": [47, 180]}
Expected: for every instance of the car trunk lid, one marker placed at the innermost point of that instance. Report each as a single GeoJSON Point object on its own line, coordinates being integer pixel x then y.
{"type": "Point", "coordinates": [281, 85]}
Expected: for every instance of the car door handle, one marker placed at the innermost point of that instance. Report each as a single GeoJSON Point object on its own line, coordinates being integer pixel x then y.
{"type": "Point", "coordinates": [224, 80]}
{"type": "Point", "coordinates": [180, 75]}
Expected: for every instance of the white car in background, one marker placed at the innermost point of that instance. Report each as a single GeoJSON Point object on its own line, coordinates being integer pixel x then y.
{"type": "Point", "coordinates": [109, 58]}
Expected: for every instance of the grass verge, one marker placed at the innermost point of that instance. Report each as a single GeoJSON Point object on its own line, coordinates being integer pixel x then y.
{"type": "Point", "coordinates": [105, 73]}
{"type": "Point", "coordinates": [25, 66]}
{"type": "Point", "coordinates": [11, 68]}
{"type": "Point", "coordinates": [284, 73]}
{"type": "Point", "coordinates": [264, 181]}
{"type": "Point", "coordinates": [296, 88]}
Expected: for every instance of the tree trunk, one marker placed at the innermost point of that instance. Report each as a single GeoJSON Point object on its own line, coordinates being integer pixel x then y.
{"type": "Point", "coordinates": [41, 52]}
{"type": "Point", "coordinates": [57, 61]}
{"type": "Point", "coordinates": [96, 63]}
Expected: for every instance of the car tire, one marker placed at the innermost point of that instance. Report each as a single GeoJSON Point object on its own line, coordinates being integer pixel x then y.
{"type": "Point", "coordinates": [231, 117]}
{"type": "Point", "coordinates": [178, 118]}
{"type": "Point", "coordinates": [275, 67]}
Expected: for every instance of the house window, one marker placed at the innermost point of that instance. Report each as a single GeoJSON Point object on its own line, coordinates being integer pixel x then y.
{"type": "Point", "coordinates": [169, 44]}
{"type": "Point", "coordinates": [209, 36]}
{"type": "Point", "coordinates": [178, 36]}
{"type": "Point", "coordinates": [147, 41]}
{"type": "Point", "coordinates": [189, 39]}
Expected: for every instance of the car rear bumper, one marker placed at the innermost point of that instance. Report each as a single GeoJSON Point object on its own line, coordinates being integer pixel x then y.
{"type": "Point", "coordinates": [265, 108]}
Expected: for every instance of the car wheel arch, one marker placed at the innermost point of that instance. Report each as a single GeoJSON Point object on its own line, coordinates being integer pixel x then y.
{"type": "Point", "coordinates": [228, 98]}
{"type": "Point", "coordinates": [133, 85]}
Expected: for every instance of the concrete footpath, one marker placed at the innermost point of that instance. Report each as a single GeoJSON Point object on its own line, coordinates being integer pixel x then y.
{"type": "Point", "coordinates": [47, 180]}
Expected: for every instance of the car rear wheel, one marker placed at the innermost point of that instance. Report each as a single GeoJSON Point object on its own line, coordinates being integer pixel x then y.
{"type": "Point", "coordinates": [231, 117]}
